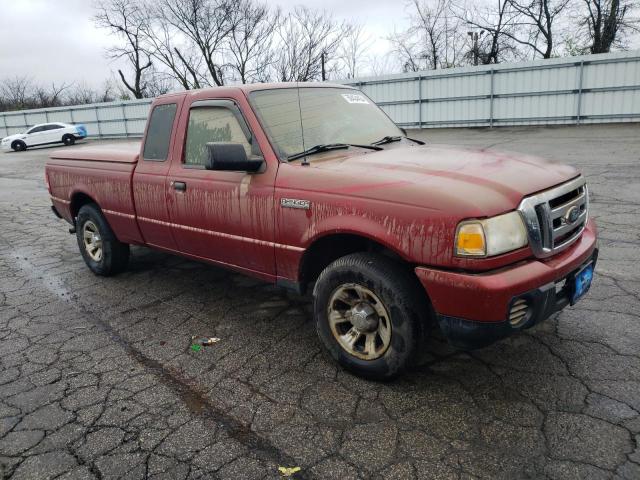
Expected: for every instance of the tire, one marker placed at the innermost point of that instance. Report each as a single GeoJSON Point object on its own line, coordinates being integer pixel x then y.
{"type": "Point", "coordinates": [389, 290]}
{"type": "Point", "coordinates": [113, 255]}
{"type": "Point", "coordinates": [19, 146]}
{"type": "Point", "coordinates": [68, 139]}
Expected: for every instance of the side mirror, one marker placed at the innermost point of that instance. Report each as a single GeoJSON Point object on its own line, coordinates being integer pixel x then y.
{"type": "Point", "coordinates": [230, 157]}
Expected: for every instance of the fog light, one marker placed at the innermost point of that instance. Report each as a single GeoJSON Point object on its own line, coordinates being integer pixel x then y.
{"type": "Point", "coordinates": [518, 312]}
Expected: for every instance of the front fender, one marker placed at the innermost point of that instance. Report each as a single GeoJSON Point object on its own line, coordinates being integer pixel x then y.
{"type": "Point", "coordinates": [354, 225]}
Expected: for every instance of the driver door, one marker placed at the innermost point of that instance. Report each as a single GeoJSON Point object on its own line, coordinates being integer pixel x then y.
{"type": "Point", "coordinates": [35, 136]}
{"type": "Point", "coordinates": [222, 216]}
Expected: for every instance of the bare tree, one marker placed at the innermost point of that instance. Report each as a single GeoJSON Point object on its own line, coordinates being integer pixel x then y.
{"type": "Point", "coordinates": [304, 37]}
{"type": "Point", "coordinates": [383, 64]}
{"type": "Point", "coordinates": [251, 39]}
{"type": "Point", "coordinates": [429, 26]}
{"type": "Point", "coordinates": [496, 25]}
{"type": "Point", "coordinates": [433, 40]}
{"type": "Point", "coordinates": [17, 92]}
{"type": "Point", "coordinates": [607, 23]}
{"type": "Point", "coordinates": [407, 52]}
{"type": "Point", "coordinates": [206, 24]}
{"type": "Point", "coordinates": [159, 83]}
{"type": "Point", "coordinates": [127, 20]}
{"type": "Point", "coordinates": [352, 50]}
{"type": "Point", "coordinates": [81, 94]}
{"type": "Point", "coordinates": [536, 22]}
{"type": "Point", "coordinates": [180, 60]}
{"type": "Point", "coordinates": [110, 91]}
{"type": "Point", "coordinates": [52, 96]}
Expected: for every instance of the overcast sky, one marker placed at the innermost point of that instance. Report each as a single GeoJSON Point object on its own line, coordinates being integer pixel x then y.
{"type": "Point", "coordinates": [56, 41]}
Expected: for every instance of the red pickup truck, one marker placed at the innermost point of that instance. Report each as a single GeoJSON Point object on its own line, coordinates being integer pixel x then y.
{"type": "Point", "coordinates": [312, 186]}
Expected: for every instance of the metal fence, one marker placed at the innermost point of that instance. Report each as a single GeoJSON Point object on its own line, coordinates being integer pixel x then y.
{"type": "Point", "coordinates": [113, 119]}
{"type": "Point", "coordinates": [586, 89]}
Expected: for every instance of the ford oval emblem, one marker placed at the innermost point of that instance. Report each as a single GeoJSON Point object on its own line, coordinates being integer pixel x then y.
{"type": "Point", "coordinates": [572, 215]}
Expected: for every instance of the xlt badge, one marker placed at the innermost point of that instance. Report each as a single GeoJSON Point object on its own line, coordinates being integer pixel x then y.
{"type": "Point", "coordinates": [295, 203]}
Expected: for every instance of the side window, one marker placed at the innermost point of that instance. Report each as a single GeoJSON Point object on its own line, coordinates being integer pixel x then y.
{"type": "Point", "coordinates": [211, 124]}
{"type": "Point", "coordinates": [156, 145]}
{"type": "Point", "coordinates": [36, 130]}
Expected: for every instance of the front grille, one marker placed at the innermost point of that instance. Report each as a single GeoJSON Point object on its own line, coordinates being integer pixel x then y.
{"type": "Point", "coordinates": [556, 218]}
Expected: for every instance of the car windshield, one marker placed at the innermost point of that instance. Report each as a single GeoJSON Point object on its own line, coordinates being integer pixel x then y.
{"type": "Point", "coordinates": [320, 116]}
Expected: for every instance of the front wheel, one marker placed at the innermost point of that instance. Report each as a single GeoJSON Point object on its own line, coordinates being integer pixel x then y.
{"type": "Point", "coordinates": [19, 146]}
{"type": "Point", "coordinates": [68, 139]}
{"type": "Point", "coordinates": [103, 253]}
{"type": "Point", "coordinates": [370, 314]}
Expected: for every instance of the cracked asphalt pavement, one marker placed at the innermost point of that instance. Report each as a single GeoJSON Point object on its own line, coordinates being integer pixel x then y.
{"type": "Point", "coordinates": [97, 379]}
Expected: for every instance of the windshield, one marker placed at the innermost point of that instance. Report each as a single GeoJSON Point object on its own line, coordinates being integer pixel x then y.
{"type": "Point", "coordinates": [329, 116]}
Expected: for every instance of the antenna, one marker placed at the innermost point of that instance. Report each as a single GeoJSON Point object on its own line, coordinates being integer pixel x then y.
{"type": "Point", "coordinates": [305, 162]}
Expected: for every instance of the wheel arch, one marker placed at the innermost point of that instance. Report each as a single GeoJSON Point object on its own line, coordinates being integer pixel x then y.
{"type": "Point", "coordinates": [327, 248]}
{"type": "Point", "coordinates": [78, 199]}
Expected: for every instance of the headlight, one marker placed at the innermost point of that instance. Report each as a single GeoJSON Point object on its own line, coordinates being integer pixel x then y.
{"type": "Point", "coordinates": [493, 236]}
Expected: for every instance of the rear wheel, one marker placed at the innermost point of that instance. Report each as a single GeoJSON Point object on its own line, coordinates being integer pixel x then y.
{"type": "Point", "coordinates": [103, 253]}
{"type": "Point", "coordinates": [68, 139]}
{"type": "Point", "coordinates": [19, 146]}
{"type": "Point", "coordinates": [370, 315]}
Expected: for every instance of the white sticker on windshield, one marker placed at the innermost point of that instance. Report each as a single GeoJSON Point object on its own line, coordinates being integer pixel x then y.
{"type": "Point", "coordinates": [355, 98]}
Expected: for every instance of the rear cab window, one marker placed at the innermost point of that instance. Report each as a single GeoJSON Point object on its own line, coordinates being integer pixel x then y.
{"type": "Point", "coordinates": [156, 145]}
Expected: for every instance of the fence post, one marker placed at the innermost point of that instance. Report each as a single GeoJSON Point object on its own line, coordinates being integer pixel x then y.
{"type": "Point", "coordinates": [491, 93]}
{"type": "Point", "coordinates": [580, 92]}
{"type": "Point", "coordinates": [71, 115]}
{"type": "Point", "coordinates": [26, 122]}
{"type": "Point", "coordinates": [419, 101]}
{"type": "Point", "coordinates": [98, 122]}
{"type": "Point", "coordinates": [124, 120]}
{"type": "Point", "coordinates": [6, 128]}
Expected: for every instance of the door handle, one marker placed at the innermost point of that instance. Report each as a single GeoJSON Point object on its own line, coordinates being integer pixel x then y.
{"type": "Point", "coordinates": [179, 186]}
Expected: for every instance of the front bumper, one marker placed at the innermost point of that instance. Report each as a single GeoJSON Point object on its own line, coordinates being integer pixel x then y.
{"type": "Point", "coordinates": [472, 309]}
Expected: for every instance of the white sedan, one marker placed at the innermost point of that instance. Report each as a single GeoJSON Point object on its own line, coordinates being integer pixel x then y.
{"type": "Point", "coordinates": [44, 134]}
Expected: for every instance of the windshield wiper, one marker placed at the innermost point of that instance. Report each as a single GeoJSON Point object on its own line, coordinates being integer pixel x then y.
{"type": "Point", "coordinates": [325, 147]}
{"type": "Point", "coordinates": [387, 139]}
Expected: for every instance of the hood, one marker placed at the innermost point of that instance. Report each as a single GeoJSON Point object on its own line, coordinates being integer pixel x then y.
{"type": "Point", "coordinates": [15, 136]}
{"type": "Point", "coordinates": [480, 182]}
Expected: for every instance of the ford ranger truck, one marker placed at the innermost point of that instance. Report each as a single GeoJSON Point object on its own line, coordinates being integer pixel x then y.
{"type": "Point", "coordinates": [312, 187]}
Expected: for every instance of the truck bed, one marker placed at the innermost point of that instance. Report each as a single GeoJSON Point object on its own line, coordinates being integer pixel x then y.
{"type": "Point", "coordinates": [102, 174]}
{"type": "Point", "coordinates": [125, 152]}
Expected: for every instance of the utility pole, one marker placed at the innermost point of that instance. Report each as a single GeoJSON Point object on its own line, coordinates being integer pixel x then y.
{"type": "Point", "coordinates": [322, 60]}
